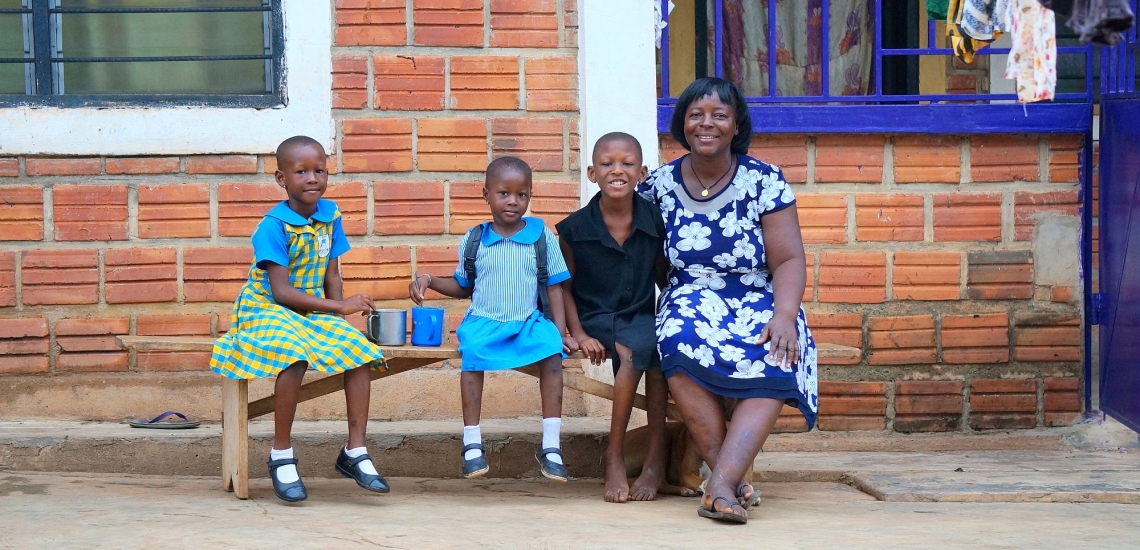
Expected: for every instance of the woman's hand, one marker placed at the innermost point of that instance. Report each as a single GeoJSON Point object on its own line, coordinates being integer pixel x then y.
{"type": "Point", "coordinates": [592, 348]}
{"type": "Point", "coordinates": [355, 303]}
{"type": "Point", "coordinates": [785, 347]}
{"type": "Point", "coordinates": [418, 287]}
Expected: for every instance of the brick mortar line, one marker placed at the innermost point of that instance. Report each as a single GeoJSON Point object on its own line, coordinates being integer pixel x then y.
{"type": "Point", "coordinates": [964, 162]}
{"type": "Point", "coordinates": [369, 86]}
{"type": "Point", "coordinates": [446, 83]}
{"type": "Point", "coordinates": [360, 114]}
{"type": "Point", "coordinates": [456, 51]}
{"type": "Point", "coordinates": [1040, 409]}
{"type": "Point", "coordinates": [18, 280]}
{"type": "Point", "coordinates": [409, 24]}
{"type": "Point", "coordinates": [370, 207]}
{"type": "Point", "coordinates": [486, 24]}
{"type": "Point", "coordinates": [49, 213]}
{"type": "Point", "coordinates": [888, 162]}
{"type": "Point", "coordinates": [100, 298]}
{"type": "Point", "coordinates": [560, 14]}
{"type": "Point", "coordinates": [927, 218]}
{"type": "Point", "coordinates": [964, 422]}
{"type": "Point", "coordinates": [1008, 218]}
{"type": "Point", "coordinates": [213, 191]}
{"type": "Point", "coordinates": [1044, 158]}
{"type": "Point", "coordinates": [179, 283]}
{"type": "Point", "coordinates": [133, 211]}
{"type": "Point", "coordinates": [522, 84]}
{"type": "Point", "coordinates": [809, 175]}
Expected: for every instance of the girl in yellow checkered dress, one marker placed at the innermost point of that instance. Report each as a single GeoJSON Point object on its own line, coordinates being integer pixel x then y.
{"type": "Point", "coordinates": [289, 316]}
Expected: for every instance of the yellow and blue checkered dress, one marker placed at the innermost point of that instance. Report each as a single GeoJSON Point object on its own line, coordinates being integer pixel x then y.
{"type": "Point", "coordinates": [265, 338]}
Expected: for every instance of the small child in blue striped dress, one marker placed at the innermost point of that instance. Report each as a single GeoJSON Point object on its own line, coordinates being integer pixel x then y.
{"type": "Point", "coordinates": [504, 327]}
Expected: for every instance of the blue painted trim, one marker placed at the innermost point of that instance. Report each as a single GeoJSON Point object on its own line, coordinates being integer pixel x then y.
{"type": "Point", "coordinates": [1091, 302]}
{"type": "Point", "coordinates": [1038, 118]}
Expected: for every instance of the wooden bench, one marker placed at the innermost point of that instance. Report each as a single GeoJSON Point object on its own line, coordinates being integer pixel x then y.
{"type": "Point", "coordinates": [237, 409]}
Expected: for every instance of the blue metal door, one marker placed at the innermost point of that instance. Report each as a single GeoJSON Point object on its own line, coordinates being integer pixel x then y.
{"type": "Point", "coordinates": [1119, 305]}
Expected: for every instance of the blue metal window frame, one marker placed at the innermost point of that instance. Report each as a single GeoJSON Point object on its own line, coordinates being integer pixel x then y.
{"type": "Point", "coordinates": [1071, 113]}
{"type": "Point", "coordinates": [41, 12]}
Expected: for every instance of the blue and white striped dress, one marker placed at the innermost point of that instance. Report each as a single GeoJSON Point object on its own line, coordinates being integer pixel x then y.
{"type": "Point", "coordinates": [503, 328]}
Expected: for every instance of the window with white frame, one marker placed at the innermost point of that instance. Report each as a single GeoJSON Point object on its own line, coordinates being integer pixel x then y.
{"type": "Point", "coordinates": [141, 52]}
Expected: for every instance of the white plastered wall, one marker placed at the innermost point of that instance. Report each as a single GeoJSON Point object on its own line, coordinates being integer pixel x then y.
{"type": "Point", "coordinates": [617, 75]}
{"type": "Point", "coordinates": [195, 130]}
{"type": "Point", "coordinates": [617, 68]}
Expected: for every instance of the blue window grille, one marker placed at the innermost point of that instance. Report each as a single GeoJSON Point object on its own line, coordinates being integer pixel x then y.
{"type": "Point", "coordinates": [880, 112]}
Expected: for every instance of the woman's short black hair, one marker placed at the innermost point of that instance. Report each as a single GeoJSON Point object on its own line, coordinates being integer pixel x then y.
{"type": "Point", "coordinates": [730, 95]}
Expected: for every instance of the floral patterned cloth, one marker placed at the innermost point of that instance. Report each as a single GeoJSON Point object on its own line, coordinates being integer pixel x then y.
{"type": "Point", "coordinates": [720, 289]}
{"type": "Point", "coordinates": [1033, 56]}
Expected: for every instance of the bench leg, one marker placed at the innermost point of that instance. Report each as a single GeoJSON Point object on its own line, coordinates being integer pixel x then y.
{"type": "Point", "coordinates": [235, 437]}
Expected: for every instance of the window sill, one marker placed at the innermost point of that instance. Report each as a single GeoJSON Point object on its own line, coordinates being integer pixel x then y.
{"type": "Point", "coordinates": [989, 118]}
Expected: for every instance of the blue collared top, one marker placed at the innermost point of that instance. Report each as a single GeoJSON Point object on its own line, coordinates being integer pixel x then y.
{"type": "Point", "coordinates": [279, 233]}
{"type": "Point", "coordinates": [507, 273]}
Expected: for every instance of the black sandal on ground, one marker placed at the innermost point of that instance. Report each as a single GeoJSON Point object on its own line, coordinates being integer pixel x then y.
{"type": "Point", "coordinates": [551, 469]}
{"type": "Point", "coordinates": [752, 500]}
{"type": "Point", "coordinates": [476, 466]}
{"type": "Point", "coordinates": [730, 517]}
{"type": "Point", "coordinates": [349, 467]}
{"type": "Point", "coordinates": [289, 492]}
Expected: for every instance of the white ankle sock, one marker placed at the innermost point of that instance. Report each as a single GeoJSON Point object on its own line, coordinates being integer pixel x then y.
{"type": "Point", "coordinates": [365, 466]}
{"type": "Point", "coordinates": [550, 437]}
{"type": "Point", "coordinates": [285, 474]}
{"type": "Point", "coordinates": [472, 434]}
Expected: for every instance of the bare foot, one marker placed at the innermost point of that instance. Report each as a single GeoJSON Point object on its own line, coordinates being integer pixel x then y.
{"type": "Point", "coordinates": [617, 489]}
{"type": "Point", "coordinates": [645, 488]}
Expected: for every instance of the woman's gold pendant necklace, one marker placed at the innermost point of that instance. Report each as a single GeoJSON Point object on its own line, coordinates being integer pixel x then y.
{"type": "Point", "coordinates": [705, 188]}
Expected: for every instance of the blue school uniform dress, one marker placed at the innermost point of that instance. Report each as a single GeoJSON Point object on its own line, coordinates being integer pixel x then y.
{"type": "Point", "coordinates": [720, 289]}
{"type": "Point", "coordinates": [503, 328]}
{"type": "Point", "coordinates": [265, 338]}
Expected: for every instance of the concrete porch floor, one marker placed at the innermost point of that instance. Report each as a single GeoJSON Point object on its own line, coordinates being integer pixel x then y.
{"type": "Point", "coordinates": [43, 510]}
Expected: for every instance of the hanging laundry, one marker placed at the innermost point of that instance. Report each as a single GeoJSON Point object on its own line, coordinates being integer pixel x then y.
{"type": "Point", "coordinates": [977, 18]}
{"type": "Point", "coordinates": [1032, 59]}
{"type": "Point", "coordinates": [964, 20]}
{"type": "Point", "coordinates": [1097, 21]}
{"type": "Point", "coordinates": [1003, 13]}
{"type": "Point", "coordinates": [936, 10]}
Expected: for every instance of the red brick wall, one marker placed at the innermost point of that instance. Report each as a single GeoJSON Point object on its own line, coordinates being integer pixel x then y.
{"type": "Point", "coordinates": [425, 94]}
{"type": "Point", "coordinates": [921, 253]}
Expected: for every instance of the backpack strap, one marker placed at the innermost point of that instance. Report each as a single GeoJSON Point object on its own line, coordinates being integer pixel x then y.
{"type": "Point", "coordinates": [470, 250]}
{"type": "Point", "coordinates": [540, 261]}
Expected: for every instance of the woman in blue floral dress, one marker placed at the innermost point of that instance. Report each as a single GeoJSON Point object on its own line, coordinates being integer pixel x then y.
{"type": "Point", "coordinates": [730, 324]}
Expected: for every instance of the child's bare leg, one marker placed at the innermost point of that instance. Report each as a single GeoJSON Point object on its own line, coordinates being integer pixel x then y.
{"type": "Point", "coordinates": [471, 394]}
{"type": "Point", "coordinates": [357, 390]}
{"type": "Point", "coordinates": [550, 386]}
{"type": "Point", "coordinates": [653, 469]}
{"type": "Point", "coordinates": [550, 390]}
{"type": "Point", "coordinates": [625, 387]}
{"type": "Point", "coordinates": [286, 391]}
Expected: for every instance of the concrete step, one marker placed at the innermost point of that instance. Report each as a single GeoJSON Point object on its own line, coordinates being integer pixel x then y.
{"type": "Point", "coordinates": [427, 448]}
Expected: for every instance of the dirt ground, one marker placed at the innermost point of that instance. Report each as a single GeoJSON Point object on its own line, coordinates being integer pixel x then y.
{"type": "Point", "coordinates": [43, 510]}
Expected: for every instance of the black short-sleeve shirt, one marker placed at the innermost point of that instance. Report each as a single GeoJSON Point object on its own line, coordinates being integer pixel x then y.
{"type": "Point", "coordinates": [613, 285]}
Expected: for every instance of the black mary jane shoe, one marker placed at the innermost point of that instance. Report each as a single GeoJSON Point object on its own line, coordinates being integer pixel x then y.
{"type": "Point", "coordinates": [349, 467]}
{"type": "Point", "coordinates": [476, 466]}
{"type": "Point", "coordinates": [551, 469]}
{"type": "Point", "coordinates": [289, 492]}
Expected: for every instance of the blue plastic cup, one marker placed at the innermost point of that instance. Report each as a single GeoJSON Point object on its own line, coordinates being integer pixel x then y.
{"type": "Point", "coordinates": [427, 326]}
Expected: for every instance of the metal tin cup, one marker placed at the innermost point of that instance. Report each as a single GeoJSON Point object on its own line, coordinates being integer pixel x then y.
{"type": "Point", "coordinates": [388, 327]}
{"type": "Point", "coordinates": [427, 326]}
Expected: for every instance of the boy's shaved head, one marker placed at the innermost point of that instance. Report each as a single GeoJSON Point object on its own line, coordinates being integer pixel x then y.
{"type": "Point", "coordinates": [294, 142]}
{"type": "Point", "coordinates": [617, 136]}
{"type": "Point", "coordinates": [504, 165]}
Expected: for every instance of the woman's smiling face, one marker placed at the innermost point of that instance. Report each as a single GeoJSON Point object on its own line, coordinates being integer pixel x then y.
{"type": "Point", "coordinates": [710, 125]}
